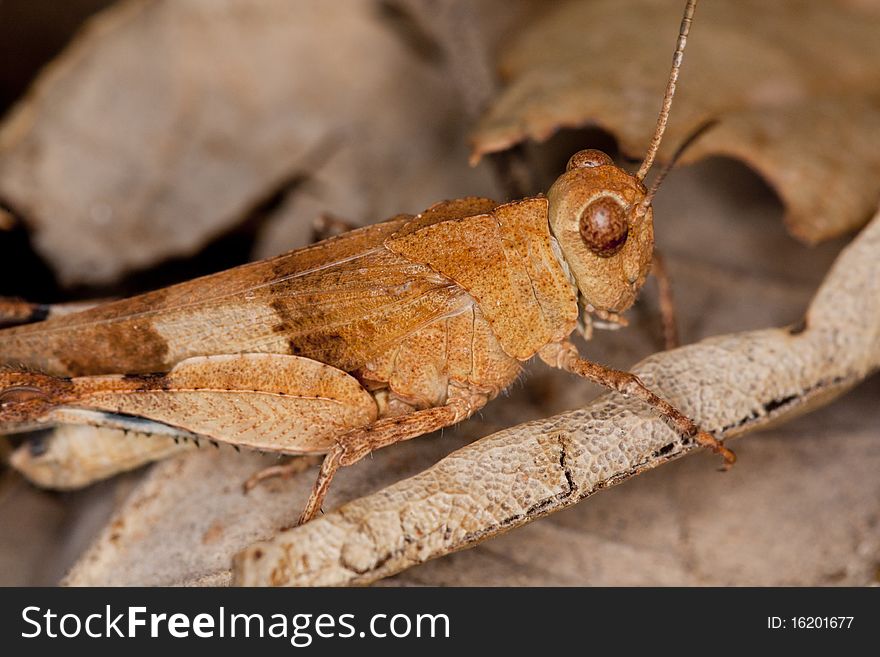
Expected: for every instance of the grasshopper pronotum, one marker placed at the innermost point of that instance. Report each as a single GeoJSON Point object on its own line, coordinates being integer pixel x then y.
{"type": "Point", "coordinates": [363, 340]}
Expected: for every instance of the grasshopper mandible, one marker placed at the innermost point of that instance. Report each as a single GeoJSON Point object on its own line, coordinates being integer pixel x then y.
{"type": "Point", "coordinates": [363, 340]}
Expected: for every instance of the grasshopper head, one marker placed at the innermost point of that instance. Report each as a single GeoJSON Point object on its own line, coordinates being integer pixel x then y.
{"type": "Point", "coordinates": [604, 228]}
{"type": "Point", "coordinates": [602, 217]}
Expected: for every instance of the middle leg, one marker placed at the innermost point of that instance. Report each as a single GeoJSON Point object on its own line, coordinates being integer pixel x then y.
{"type": "Point", "coordinates": [667, 303]}
{"type": "Point", "coordinates": [356, 444]}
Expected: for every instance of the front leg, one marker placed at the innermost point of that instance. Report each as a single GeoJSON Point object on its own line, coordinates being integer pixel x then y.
{"type": "Point", "coordinates": [564, 355]}
{"type": "Point", "coordinates": [356, 444]}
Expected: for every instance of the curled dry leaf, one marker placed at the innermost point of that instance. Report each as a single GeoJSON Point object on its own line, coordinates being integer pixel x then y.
{"type": "Point", "coordinates": [167, 123]}
{"type": "Point", "coordinates": [730, 384]}
{"type": "Point", "coordinates": [792, 84]}
{"type": "Point", "coordinates": [73, 456]}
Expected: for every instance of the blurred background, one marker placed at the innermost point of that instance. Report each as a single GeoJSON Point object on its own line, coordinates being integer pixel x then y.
{"type": "Point", "coordinates": [145, 142]}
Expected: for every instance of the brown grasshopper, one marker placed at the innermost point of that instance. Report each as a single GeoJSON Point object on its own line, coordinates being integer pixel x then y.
{"type": "Point", "coordinates": [363, 340]}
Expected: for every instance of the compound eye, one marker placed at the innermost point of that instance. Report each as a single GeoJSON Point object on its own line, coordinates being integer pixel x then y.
{"type": "Point", "coordinates": [588, 158]}
{"type": "Point", "coordinates": [603, 227]}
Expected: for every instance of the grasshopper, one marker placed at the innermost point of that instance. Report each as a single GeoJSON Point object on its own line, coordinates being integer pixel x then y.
{"type": "Point", "coordinates": [372, 337]}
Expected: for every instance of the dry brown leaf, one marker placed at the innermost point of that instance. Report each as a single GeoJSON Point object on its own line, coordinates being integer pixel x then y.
{"type": "Point", "coordinates": [467, 32]}
{"type": "Point", "coordinates": [73, 456]}
{"type": "Point", "coordinates": [165, 123]}
{"type": "Point", "coordinates": [730, 384]}
{"type": "Point", "coordinates": [794, 86]}
{"type": "Point", "coordinates": [140, 545]}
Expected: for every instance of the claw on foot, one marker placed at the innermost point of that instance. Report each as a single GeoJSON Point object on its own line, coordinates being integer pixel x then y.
{"type": "Point", "coordinates": [717, 446]}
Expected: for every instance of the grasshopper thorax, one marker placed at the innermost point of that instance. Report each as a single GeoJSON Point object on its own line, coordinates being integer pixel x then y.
{"type": "Point", "coordinates": [605, 230]}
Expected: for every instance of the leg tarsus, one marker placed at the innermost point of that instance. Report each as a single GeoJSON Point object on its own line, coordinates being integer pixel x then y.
{"type": "Point", "coordinates": [322, 484]}
{"type": "Point", "coordinates": [709, 441]}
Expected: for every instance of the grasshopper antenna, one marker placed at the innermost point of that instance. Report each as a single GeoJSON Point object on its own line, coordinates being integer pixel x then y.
{"type": "Point", "coordinates": [662, 120]}
{"type": "Point", "coordinates": [652, 192]}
